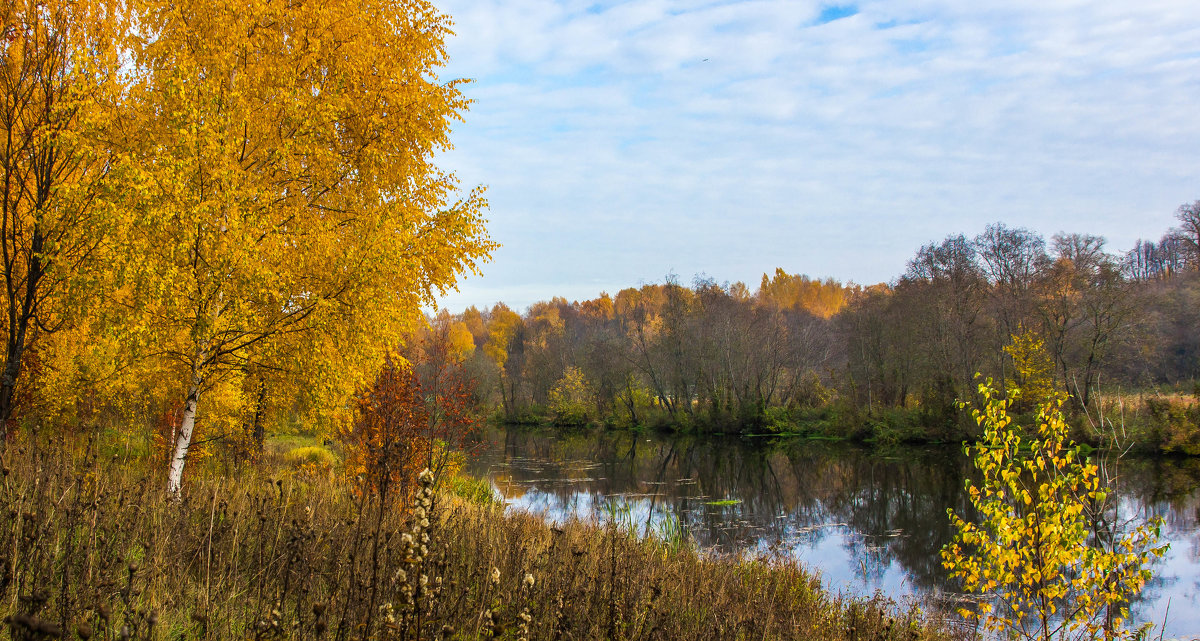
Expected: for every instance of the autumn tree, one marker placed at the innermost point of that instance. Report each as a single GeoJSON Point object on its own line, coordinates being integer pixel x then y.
{"type": "Point", "coordinates": [1012, 260]}
{"type": "Point", "coordinates": [288, 190]}
{"type": "Point", "coordinates": [1149, 260]}
{"type": "Point", "coordinates": [1032, 553]}
{"type": "Point", "coordinates": [570, 399]}
{"type": "Point", "coordinates": [385, 447]}
{"type": "Point", "coordinates": [418, 414]}
{"type": "Point", "coordinates": [58, 86]}
{"type": "Point", "coordinates": [437, 356]}
{"type": "Point", "coordinates": [505, 347]}
{"type": "Point", "coordinates": [1033, 370]}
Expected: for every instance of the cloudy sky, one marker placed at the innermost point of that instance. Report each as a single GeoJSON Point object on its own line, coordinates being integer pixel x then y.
{"type": "Point", "coordinates": [622, 141]}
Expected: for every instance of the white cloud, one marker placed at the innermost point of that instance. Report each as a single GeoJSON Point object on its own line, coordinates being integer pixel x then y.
{"type": "Point", "coordinates": [615, 151]}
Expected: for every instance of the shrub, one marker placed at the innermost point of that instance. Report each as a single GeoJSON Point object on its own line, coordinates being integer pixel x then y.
{"type": "Point", "coordinates": [570, 400]}
{"type": "Point", "coordinates": [1033, 549]}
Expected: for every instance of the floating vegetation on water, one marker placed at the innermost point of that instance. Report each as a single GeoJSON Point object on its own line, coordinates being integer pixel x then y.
{"type": "Point", "coordinates": [723, 502]}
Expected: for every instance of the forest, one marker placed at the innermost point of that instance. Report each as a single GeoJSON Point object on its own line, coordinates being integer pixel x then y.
{"type": "Point", "coordinates": [889, 361]}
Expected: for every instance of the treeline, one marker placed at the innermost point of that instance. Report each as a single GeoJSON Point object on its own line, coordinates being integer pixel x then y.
{"type": "Point", "coordinates": [1014, 306]}
{"type": "Point", "coordinates": [663, 354]}
{"type": "Point", "coordinates": [1043, 315]}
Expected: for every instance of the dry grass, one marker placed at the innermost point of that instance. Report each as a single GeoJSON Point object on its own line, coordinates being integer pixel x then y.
{"type": "Point", "coordinates": [90, 547]}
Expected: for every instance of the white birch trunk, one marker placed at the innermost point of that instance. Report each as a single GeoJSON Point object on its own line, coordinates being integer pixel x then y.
{"type": "Point", "coordinates": [184, 441]}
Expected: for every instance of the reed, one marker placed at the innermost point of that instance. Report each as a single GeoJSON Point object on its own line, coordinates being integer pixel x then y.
{"type": "Point", "coordinates": [91, 547]}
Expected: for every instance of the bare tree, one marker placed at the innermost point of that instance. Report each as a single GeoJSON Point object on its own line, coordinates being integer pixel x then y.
{"type": "Point", "coordinates": [1189, 232]}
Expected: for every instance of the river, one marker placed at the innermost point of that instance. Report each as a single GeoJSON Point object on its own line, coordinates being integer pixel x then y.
{"type": "Point", "coordinates": [865, 519]}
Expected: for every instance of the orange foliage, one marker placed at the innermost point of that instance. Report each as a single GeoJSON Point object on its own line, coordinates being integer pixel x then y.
{"type": "Point", "coordinates": [419, 410]}
{"type": "Point", "coordinates": [822, 298]}
{"type": "Point", "coordinates": [385, 449]}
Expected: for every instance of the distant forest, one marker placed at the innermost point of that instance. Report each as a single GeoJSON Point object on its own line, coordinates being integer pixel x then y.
{"type": "Point", "coordinates": [1009, 304]}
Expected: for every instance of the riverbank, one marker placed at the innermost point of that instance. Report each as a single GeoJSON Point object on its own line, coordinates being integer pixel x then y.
{"type": "Point", "coordinates": [871, 519]}
{"type": "Point", "coordinates": [1148, 423]}
{"type": "Point", "coordinates": [96, 549]}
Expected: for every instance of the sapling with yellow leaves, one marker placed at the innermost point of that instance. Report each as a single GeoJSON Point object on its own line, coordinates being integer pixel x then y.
{"type": "Point", "coordinates": [1032, 556]}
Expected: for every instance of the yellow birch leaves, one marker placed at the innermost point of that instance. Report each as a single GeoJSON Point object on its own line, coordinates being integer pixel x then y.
{"type": "Point", "coordinates": [275, 216]}
{"type": "Point", "coordinates": [1034, 553]}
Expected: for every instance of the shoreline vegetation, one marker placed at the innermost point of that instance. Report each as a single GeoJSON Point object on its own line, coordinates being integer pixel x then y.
{"type": "Point", "coordinates": [292, 550]}
{"type": "Point", "coordinates": [1149, 425]}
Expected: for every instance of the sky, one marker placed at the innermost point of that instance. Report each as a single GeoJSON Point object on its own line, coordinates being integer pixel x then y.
{"type": "Point", "coordinates": [624, 141]}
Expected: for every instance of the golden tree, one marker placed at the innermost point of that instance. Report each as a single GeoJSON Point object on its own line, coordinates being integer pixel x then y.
{"type": "Point", "coordinates": [1043, 573]}
{"type": "Point", "coordinates": [58, 84]}
{"type": "Point", "coordinates": [289, 205]}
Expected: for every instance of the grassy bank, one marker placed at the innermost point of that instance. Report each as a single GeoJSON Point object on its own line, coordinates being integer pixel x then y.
{"type": "Point", "coordinates": [91, 548]}
{"type": "Point", "coordinates": [1149, 423]}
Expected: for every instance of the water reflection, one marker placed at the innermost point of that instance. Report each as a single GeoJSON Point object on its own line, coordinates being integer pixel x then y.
{"type": "Point", "coordinates": [865, 519]}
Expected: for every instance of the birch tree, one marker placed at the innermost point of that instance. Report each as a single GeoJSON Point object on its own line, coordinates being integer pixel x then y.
{"type": "Point", "coordinates": [289, 189]}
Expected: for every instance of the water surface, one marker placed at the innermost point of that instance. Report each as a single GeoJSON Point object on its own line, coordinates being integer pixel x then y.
{"type": "Point", "coordinates": [865, 519]}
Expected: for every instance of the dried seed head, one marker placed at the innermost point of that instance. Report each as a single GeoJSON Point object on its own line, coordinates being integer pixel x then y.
{"type": "Point", "coordinates": [84, 631]}
{"type": "Point", "coordinates": [528, 580]}
{"type": "Point", "coordinates": [495, 577]}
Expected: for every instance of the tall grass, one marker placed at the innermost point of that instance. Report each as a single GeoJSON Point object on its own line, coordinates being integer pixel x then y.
{"type": "Point", "coordinates": [91, 548]}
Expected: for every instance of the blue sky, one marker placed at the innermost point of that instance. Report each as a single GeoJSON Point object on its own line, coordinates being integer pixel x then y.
{"type": "Point", "coordinates": [622, 141]}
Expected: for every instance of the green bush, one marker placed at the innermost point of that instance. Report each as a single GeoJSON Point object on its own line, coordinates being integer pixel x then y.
{"type": "Point", "coordinates": [570, 399]}
{"type": "Point", "coordinates": [778, 420]}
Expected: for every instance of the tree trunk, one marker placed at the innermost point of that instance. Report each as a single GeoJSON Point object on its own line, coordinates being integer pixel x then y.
{"type": "Point", "coordinates": [21, 312]}
{"type": "Point", "coordinates": [184, 441]}
{"type": "Point", "coordinates": [257, 429]}
{"type": "Point", "coordinates": [8, 383]}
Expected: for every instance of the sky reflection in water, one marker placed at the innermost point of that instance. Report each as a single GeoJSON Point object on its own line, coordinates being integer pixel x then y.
{"type": "Point", "coordinates": [866, 520]}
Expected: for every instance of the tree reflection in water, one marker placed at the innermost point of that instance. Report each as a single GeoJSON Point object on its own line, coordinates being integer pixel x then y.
{"type": "Point", "coordinates": [866, 519]}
